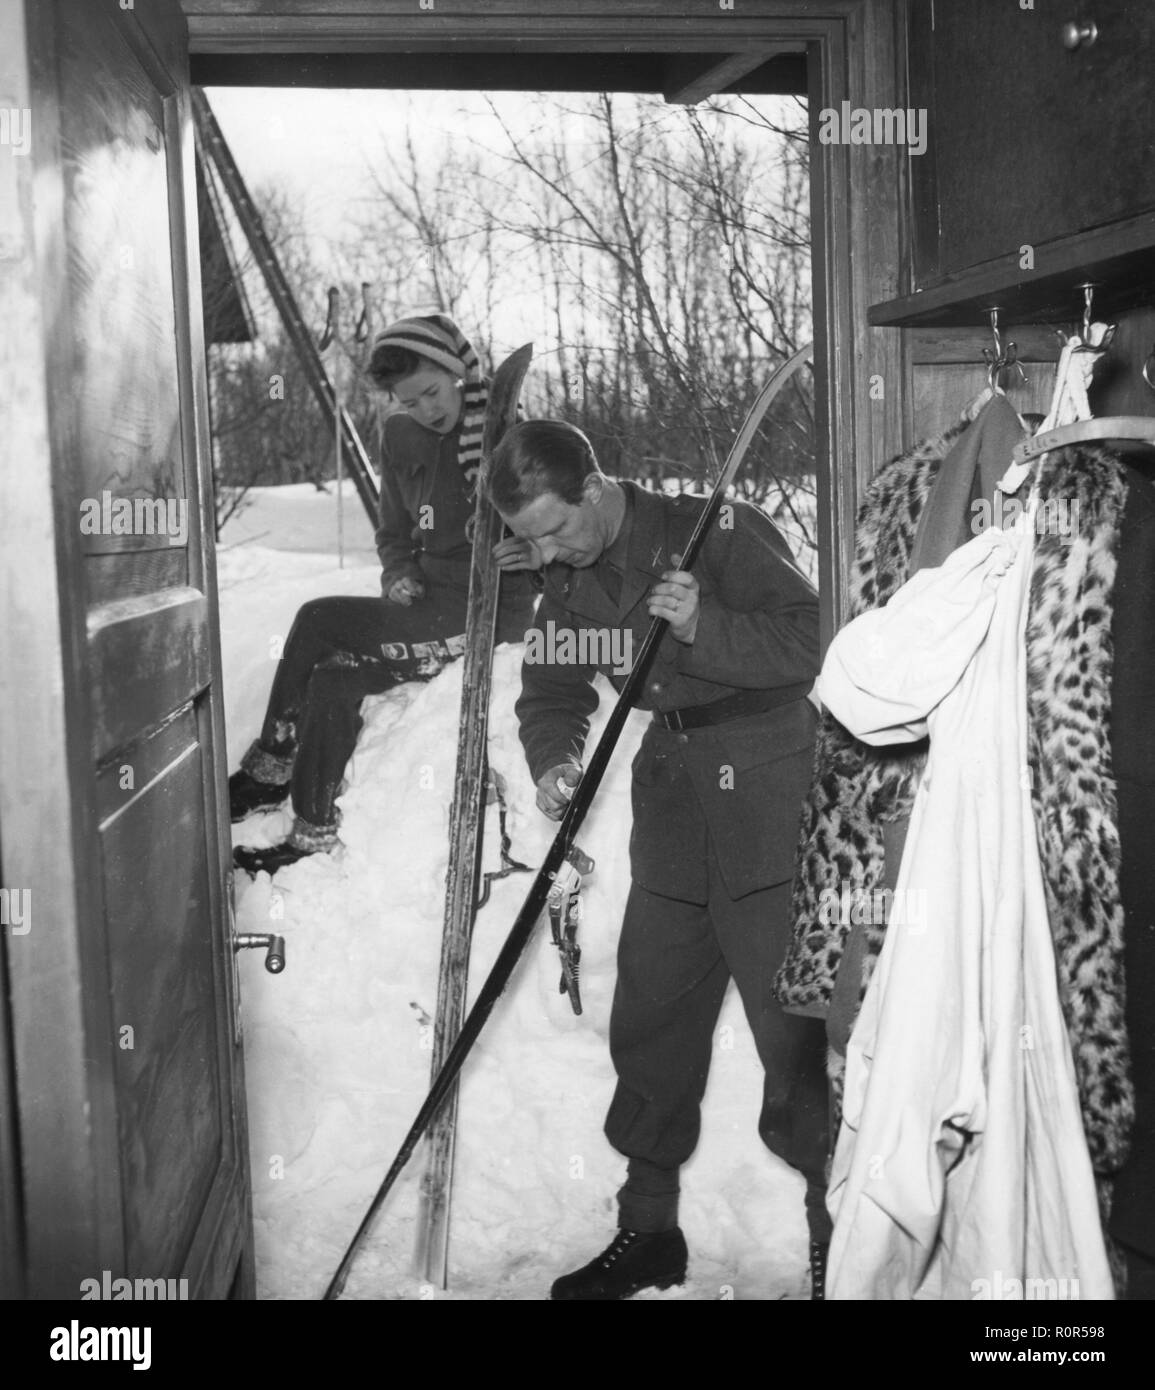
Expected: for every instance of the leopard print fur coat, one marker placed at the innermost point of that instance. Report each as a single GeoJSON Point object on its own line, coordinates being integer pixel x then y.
{"type": "Point", "coordinates": [1069, 658]}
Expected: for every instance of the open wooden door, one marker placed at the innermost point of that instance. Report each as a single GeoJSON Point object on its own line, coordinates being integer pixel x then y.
{"type": "Point", "coordinates": [122, 1046]}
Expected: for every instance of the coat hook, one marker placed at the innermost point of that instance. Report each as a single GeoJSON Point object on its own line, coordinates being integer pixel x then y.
{"type": "Point", "coordinates": [1088, 302]}
{"type": "Point", "coordinates": [998, 349]}
{"type": "Point", "coordinates": [1086, 342]}
{"type": "Point", "coordinates": [1001, 356]}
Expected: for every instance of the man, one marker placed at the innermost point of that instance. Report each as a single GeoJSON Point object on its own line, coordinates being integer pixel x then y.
{"type": "Point", "coordinates": [717, 789]}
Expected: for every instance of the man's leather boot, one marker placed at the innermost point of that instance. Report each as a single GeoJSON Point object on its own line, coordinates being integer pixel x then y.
{"type": "Point", "coordinates": [634, 1260]}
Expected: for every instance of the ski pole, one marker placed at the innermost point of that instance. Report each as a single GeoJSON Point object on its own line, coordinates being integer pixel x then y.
{"type": "Point", "coordinates": [331, 338]}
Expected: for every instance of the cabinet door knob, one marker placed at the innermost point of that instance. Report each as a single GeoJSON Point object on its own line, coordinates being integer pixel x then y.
{"type": "Point", "coordinates": [1079, 34]}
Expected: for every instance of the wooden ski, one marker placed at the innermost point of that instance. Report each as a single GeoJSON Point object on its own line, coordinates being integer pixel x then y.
{"type": "Point", "coordinates": [465, 828]}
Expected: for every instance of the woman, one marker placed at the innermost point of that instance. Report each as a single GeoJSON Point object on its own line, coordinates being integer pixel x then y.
{"type": "Point", "coordinates": [342, 649]}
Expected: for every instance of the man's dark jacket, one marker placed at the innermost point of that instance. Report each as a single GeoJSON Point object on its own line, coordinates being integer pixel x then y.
{"type": "Point", "coordinates": [740, 782]}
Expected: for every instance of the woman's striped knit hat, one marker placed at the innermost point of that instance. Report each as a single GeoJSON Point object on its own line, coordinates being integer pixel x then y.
{"type": "Point", "coordinates": [439, 340]}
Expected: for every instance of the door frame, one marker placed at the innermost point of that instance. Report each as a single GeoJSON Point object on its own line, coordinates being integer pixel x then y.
{"type": "Point", "coordinates": [856, 52]}
{"type": "Point", "coordinates": [70, 1201]}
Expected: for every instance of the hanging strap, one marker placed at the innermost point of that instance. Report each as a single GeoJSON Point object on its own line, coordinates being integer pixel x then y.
{"type": "Point", "coordinates": [1069, 403]}
{"type": "Point", "coordinates": [1096, 429]}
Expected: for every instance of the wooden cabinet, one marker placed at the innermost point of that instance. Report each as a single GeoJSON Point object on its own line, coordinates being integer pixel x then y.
{"type": "Point", "coordinates": [1039, 171]}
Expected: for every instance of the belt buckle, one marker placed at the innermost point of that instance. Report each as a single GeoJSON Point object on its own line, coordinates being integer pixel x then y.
{"type": "Point", "coordinates": [673, 719]}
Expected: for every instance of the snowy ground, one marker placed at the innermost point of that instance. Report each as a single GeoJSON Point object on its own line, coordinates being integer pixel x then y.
{"type": "Point", "coordinates": [337, 1048]}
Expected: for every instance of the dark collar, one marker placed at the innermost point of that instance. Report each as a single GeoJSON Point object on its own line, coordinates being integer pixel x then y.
{"type": "Point", "coordinates": [617, 553]}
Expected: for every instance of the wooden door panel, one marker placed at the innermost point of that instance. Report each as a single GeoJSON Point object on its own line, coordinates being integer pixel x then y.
{"type": "Point", "coordinates": [148, 656]}
{"type": "Point", "coordinates": [150, 651]}
{"type": "Point", "coordinates": [115, 131]}
{"type": "Point", "coordinates": [164, 989]}
{"type": "Point", "coordinates": [131, 1115]}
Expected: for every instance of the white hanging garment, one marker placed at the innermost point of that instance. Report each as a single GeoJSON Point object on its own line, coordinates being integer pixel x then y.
{"type": "Point", "coordinates": [960, 1170]}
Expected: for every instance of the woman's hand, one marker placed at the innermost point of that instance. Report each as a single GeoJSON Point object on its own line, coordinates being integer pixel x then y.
{"type": "Point", "coordinates": [513, 553]}
{"type": "Point", "coordinates": [404, 591]}
{"type": "Point", "coordinates": [676, 600]}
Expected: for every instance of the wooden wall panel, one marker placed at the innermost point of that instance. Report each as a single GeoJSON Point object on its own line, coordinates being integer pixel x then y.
{"type": "Point", "coordinates": [949, 370]}
{"type": "Point", "coordinates": [1119, 388]}
{"type": "Point", "coordinates": [863, 377]}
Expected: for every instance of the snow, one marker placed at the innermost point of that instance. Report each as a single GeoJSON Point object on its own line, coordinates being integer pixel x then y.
{"type": "Point", "coordinates": [299, 517]}
{"type": "Point", "coordinates": [337, 1047]}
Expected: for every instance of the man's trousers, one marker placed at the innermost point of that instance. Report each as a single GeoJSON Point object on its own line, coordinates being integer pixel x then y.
{"type": "Point", "coordinates": [675, 960]}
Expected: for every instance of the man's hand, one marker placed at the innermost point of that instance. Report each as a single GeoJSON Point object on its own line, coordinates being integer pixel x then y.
{"type": "Point", "coordinates": [676, 600]}
{"type": "Point", "coordinates": [404, 591]}
{"type": "Point", "coordinates": [551, 800]}
{"type": "Point", "coordinates": [513, 553]}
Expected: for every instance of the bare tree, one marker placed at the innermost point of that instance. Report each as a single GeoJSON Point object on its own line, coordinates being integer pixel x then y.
{"type": "Point", "coordinates": [666, 252]}
{"type": "Point", "coordinates": [267, 427]}
{"type": "Point", "coordinates": [680, 257]}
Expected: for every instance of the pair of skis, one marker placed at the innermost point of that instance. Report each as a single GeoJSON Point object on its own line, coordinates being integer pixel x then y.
{"type": "Point", "coordinates": [464, 861]}
{"type": "Point", "coordinates": [466, 821]}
